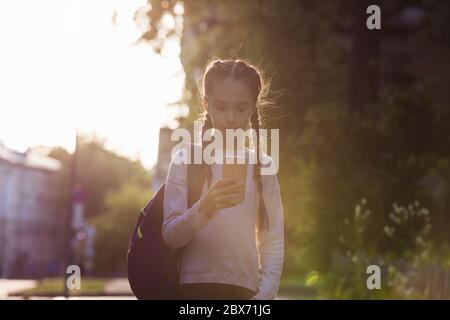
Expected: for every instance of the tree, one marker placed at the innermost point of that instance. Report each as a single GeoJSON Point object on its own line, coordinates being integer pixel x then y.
{"type": "Point", "coordinates": [114, 227]}
{"type": "Point", "coordinates": [99, 171]}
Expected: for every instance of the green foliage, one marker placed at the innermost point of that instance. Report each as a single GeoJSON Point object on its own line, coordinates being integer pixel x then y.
{"type": "Point", "coordinates": [99, 171]}
{"type": "Point", "coordinates": [116, 189]}
{"type": "Point", "coordinates": [408, 229]}
{"type": "Point", "coordinates": [114, 227]}
{"type": "Point", "coordinates": [347, 278]}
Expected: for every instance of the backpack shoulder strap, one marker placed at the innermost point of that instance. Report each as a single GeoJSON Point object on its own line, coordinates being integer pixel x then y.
{"type": "Point", "coordinates": [195, 180]}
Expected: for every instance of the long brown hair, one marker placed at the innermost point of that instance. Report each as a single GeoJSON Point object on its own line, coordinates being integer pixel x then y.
{"type": "Point", "coordinates": [258, 84]}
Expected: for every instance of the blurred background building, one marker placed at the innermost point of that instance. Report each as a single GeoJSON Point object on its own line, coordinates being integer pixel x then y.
{"type": "Point", "coordinates": [165, 146]}
{"type": "Point", "coordinates": [31, 225]}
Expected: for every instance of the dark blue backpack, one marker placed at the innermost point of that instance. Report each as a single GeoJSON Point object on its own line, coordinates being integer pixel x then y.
{"type": "Point", "coordinates": [153, 267]}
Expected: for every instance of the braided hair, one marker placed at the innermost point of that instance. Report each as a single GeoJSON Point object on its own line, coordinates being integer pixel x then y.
{"type": "Point", "coordinates": [238, 69]}
{"type": "Point", "coordinates": [207, 124]}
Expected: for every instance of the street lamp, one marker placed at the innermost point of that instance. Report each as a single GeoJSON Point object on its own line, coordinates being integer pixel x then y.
{"type": "Point", "coordinates": [69, 230]}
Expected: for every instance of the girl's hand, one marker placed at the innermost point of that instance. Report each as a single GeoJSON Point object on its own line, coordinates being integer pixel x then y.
{"type": "Point", "coordinates": [224, 193]}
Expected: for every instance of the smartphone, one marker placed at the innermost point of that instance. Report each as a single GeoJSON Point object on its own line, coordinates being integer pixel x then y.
{"type": "Point", "coordinates": [237, 172]}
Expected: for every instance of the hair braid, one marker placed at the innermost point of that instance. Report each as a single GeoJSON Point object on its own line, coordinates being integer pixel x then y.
{"type": "Point", "coordinates": [262, 216]}
{"type": "Point", "coordinates": [207, 124]}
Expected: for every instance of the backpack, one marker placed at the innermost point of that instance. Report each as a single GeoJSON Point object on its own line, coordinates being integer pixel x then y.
{"type": "Point", "coordinates": [153, 267]}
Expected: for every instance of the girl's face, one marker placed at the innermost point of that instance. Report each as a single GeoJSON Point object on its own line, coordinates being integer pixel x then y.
{"type": "Point", "coordinates": [230, 104]}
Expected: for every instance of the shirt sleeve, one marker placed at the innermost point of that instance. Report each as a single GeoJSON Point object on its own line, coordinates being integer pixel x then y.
{"type": "Point", "coordinates": [271, 241]}
{"type": "Point", "coordinates": [180, 223]}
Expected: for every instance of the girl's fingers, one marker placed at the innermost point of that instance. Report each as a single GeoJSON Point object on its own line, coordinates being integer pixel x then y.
{"type": "Point", "coordinates": [229, 197]}
{"type": "Point", "coordinates": [226, 205]}
{"type": "Point", "coordinates": [235, 187]}
{"type": "Point", "coordinates": [219, 194]}
{"type": "Point", "coordinates": [227, 193]}
{"type": "Point", "coordinates": [222, 182]}
{"type": "Point", "coordinates": [231, 193]}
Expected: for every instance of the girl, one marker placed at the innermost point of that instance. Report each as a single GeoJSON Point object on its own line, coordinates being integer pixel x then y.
{"type": "Point", "coordinates": [227, 254]}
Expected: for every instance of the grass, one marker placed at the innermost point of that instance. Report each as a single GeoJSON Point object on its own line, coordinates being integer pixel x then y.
{"type": "Point", "coordinates": [297, 288]}
{"type": "Point", "coordinates": [290, 287]}
{"type": "Point", "coordinates": [55, 287]}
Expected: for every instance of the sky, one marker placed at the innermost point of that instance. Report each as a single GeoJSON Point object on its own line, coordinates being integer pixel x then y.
{"type": "Point", "coordinates": [65, 65]}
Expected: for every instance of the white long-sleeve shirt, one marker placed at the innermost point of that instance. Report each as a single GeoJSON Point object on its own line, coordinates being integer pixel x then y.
{"type": "Point", "coordinates": [226, 248]}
